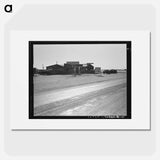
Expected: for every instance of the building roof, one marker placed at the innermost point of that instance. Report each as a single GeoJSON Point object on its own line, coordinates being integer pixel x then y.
{"type": "Point", "coordinates": [72, 62]}
{"type": "Point", "coordinates": [55, 65]}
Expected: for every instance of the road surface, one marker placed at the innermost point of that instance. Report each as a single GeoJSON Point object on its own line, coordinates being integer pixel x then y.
{"type": "Point", "coordinates": [94, 99]}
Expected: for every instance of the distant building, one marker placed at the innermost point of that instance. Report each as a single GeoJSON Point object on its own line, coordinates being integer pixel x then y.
{"type": "Point", "coordinates": [97, 70]}
{"type": "Point", "coordinates": [42, 72]}
{"type": "Point", "coordinates": [55, 66]}
{"type": "Point", "coordinates": [55, 69]}
{"type": "Point", "coordinates": [70, 67]}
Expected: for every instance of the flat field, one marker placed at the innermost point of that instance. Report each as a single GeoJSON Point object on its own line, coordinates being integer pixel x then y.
{"type": "Point", "coordinates": [81, 95]}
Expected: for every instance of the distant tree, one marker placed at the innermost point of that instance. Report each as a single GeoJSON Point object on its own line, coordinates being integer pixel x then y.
{"type": "Point", "coordinates": [35, 70]}
{"type": "Point", "coordinates": [112, 71]}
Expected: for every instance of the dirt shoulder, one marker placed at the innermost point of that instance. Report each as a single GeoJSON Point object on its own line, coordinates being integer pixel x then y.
{"type": "Point", "coordinates": [47, 83]}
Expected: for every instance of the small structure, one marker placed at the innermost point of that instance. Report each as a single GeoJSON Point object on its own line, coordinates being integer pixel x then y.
{"type": "Point", "coordinates": [97, 70]}
{"type": "Point", "coordinates": [87, 68]}
{"type": "Point", "coordinates": [72, 67]}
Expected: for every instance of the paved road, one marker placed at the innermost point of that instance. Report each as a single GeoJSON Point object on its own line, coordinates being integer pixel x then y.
{"type": "Point", "coordinates": [102, 98]}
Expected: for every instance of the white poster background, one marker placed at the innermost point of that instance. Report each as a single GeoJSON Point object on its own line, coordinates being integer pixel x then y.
{"type": "Point", "coordinates": [19, 80]}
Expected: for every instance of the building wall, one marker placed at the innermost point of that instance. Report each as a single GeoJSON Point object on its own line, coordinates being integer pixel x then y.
{"type": "Point", "coordinates": [97, 70]}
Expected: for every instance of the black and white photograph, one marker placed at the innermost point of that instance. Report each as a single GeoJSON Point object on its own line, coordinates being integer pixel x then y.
{"type": "Point", "coordinates": [80, 79]}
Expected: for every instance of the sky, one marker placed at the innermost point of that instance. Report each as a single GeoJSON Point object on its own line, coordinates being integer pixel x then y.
{"type": "Point", "coordinates": [106, 56]}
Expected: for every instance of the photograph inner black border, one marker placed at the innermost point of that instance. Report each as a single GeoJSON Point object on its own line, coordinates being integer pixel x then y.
{"type": "Point", "coordinates": [31, 84]}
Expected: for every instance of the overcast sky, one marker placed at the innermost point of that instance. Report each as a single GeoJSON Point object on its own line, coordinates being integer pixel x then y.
{"type": "Point", "coordinates": [106, 56]}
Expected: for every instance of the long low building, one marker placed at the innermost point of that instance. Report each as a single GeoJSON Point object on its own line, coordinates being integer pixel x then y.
{"type": "Point", "coordinates": [70, 67]}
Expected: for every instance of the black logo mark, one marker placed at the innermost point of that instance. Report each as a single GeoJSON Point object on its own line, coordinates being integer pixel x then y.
{"type": "Point", "coordinates": [8, 8]}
